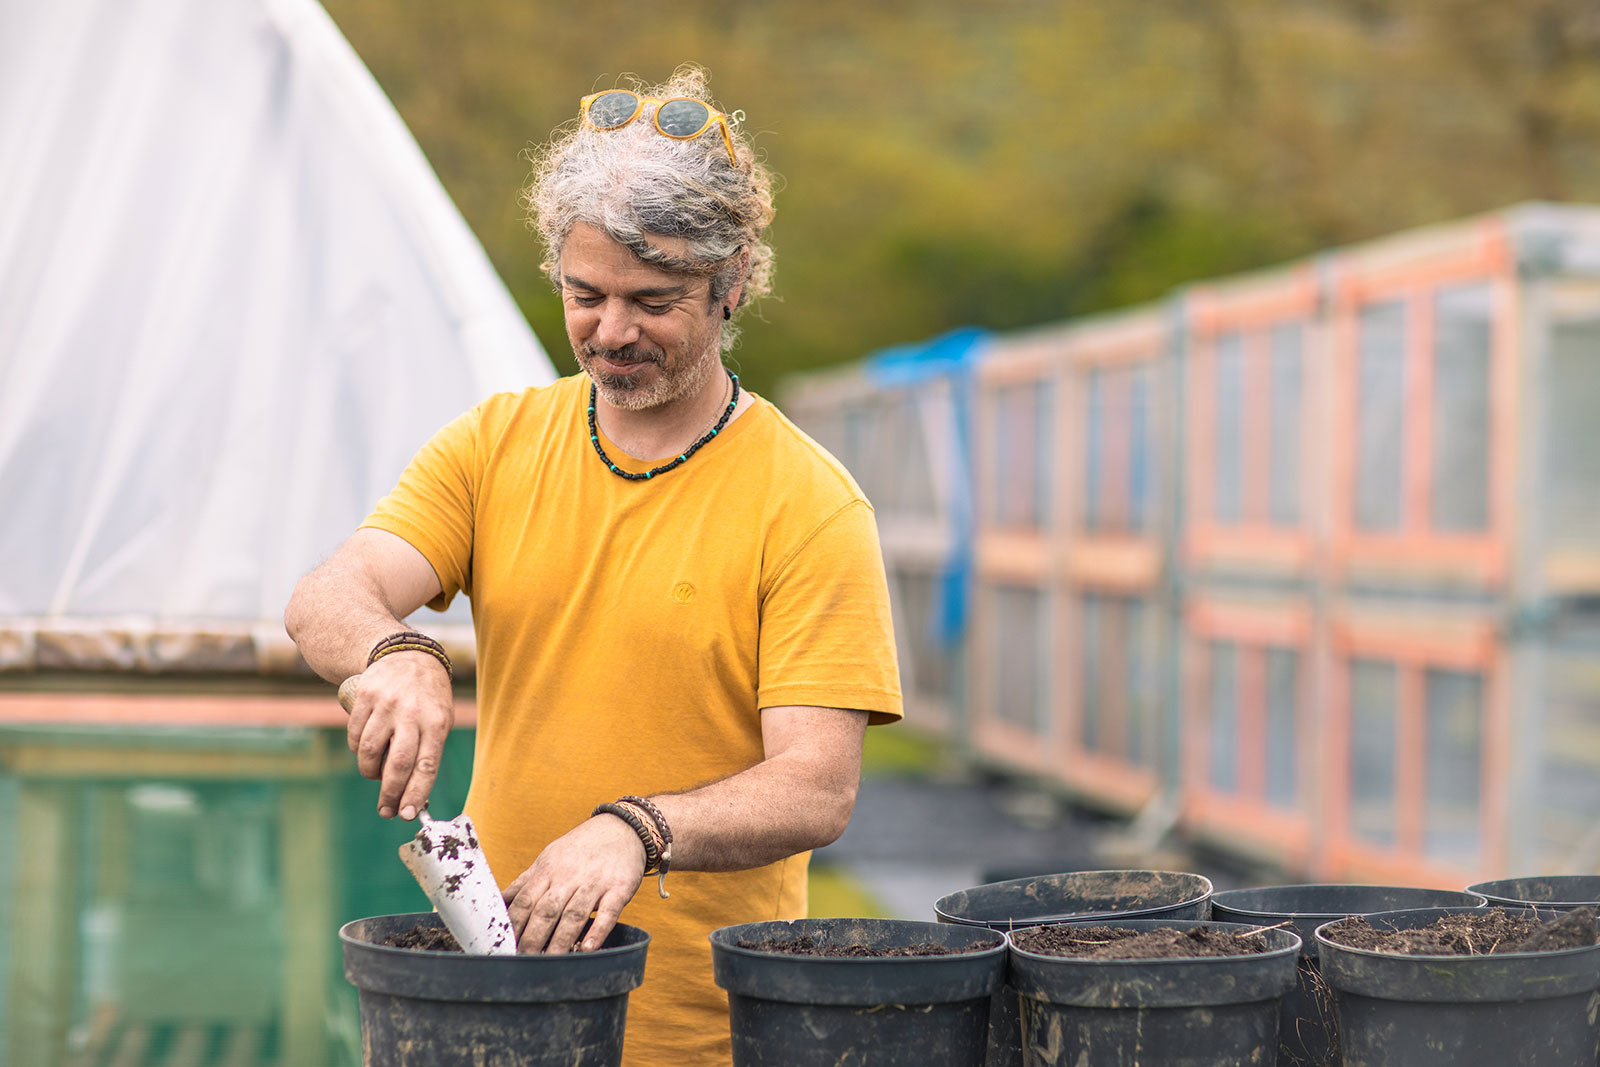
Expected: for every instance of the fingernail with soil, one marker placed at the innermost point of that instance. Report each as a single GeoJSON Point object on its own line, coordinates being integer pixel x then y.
{"type": "Point", "coordinates": [408, 813]}
{"type": "Point", "coordinates": [386, 812]}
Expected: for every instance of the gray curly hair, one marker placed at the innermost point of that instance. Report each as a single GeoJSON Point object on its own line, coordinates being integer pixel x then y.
{"type": "Point", "coordinates": [632, 183]}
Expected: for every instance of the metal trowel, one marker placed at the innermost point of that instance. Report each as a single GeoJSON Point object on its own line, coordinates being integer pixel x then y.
{"type": "Point", "coordinates": [448, 863]}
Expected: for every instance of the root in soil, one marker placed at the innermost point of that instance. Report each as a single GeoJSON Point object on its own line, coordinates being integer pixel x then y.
{"type": "Point", "coordinates": [1490, 931]}
{"type": "Point", "coordinates": [1121, 943]}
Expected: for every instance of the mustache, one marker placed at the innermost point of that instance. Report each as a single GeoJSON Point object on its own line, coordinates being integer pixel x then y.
{"type": "Point", "coordinates": [633, 353]}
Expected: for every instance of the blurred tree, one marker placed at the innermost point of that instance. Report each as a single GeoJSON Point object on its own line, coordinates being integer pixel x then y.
{"type": "Point", "coordinates": [1017, 161]}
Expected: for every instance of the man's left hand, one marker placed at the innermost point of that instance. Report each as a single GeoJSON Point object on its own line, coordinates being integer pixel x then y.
{"type": "Point", "coordinates": [593, 869]}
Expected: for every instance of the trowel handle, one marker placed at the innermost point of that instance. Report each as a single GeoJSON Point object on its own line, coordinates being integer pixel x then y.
{"type": "Point", "coordinates": [347, 693]}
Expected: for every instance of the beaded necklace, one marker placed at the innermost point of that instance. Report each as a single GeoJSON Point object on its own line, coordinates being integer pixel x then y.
{"type": "Point", "coordinates": [594, 438]}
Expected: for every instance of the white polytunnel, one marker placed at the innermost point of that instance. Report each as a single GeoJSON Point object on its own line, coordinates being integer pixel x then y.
{"type": "Point", "coordinates": [234, 300]}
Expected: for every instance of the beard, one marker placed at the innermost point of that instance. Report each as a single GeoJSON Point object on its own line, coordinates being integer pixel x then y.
{"type": "Point", "coordinates": [632, 391]}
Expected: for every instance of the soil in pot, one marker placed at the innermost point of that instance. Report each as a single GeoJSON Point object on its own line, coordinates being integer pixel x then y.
{"type": "Point", "coordinates": [891, 993]}
{"type": "Point", "coordinates": [808, 946]}
{"type": "Point", "coordinates": [1121, 943]}
{"type": "Point", "coordinates": [1308, 1028]}
{"type": "Point", "coordinates": [428, 938]}
{"type": "Point", "coordinates": [1475, 933]}
{"type": "Point", "coordinates": [1034, 900]}
{"type": "Point", "coordinates": [424, 1005]}
{"type": "Point", "coordinates": [1178, 993]}
{"type": "Point", "coordinates": [1437, 987]}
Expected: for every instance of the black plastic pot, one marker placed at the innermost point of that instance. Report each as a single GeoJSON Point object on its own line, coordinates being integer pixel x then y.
{"type": "Point", "coordinates": [1560, 891]}
{"type": "Point", "coordinates": [1532, 1009]}
{"type": "Point", "coordinates": [1052, 898]}
{"type": "Point", "coordinates": [423, 1008]}
{"type": "Point", "coordinates": [896, 1011]}
{"type": "Point", "coordinates": [1218, 1011]}
{"type": "Point", "coordinates": [1307, 1033]}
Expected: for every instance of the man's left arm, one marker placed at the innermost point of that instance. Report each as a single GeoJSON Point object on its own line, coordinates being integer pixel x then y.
{"type": "Point", "coordinates": [798, 797]}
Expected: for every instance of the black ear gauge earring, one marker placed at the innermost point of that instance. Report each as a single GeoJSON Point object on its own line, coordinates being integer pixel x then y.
{"type": "Point", "coordinates": [727, 313]}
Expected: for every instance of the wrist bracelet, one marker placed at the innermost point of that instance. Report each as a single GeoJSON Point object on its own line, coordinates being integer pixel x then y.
{"type": "Point", "coordinates": [666, 840]}
{"type": "Point", "coordinates": [412, 641]}
{"type": "Point", "coordinates": [655, 835]}
{"type": "Point", "coordinates": [651, 856]}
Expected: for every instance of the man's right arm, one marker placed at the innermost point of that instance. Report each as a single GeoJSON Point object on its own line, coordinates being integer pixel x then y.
{"type": "Point", "coordinates": [404, 709]}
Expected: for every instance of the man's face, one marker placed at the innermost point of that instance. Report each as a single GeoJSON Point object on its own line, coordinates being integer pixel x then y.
{"type": "Point", "coordinates": [645, 336]}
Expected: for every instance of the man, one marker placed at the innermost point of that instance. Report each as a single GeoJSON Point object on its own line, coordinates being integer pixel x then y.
{"type": "Point", "coordinates": [678, 597]}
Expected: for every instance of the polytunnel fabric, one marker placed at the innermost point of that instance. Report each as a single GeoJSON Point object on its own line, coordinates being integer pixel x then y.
{"type": "Point", "coordinates": [951, 355]}
{"type": "Point", "coordinates": [234, 300]}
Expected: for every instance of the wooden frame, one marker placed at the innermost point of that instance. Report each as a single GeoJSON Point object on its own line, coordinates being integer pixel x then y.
{"type": "Point", "coordinates": [1253, 310]}
{"type": "Point", "coordinates": [1414, 644]}
{"type": "Point", "coordinates": [1254, 628]}
{"type": "Point", "coordinates": [1483, 253]}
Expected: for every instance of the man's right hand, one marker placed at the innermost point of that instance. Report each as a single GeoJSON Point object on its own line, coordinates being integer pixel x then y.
{"type": "Point", "coordinates": [402, 714]}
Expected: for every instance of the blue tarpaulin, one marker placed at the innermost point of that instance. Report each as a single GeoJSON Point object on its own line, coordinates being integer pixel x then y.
{"type": "Point", "coordinates": [952, 356]}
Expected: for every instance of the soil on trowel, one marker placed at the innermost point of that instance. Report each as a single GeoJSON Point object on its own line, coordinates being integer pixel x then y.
{"type": "Point", "coordinates": [1490, 931]}
{"type": "Point", "coordinates": [808, 946]}
{"type": "Point", "coordinates": [1121, 943]}
{"type": "Point", "coordinates": [431, 938]}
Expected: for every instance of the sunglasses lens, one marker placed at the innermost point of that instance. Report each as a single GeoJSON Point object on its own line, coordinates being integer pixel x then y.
{"type": "Point", "coordinates": [682, 118]}
{"type": "Point", "coordinates": [610, 110]}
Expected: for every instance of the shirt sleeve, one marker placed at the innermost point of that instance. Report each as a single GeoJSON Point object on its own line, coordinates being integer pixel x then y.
{"type": "Point", "coordinates": [827, 637]}
{"type": "Point", "coordinates": [432, 506]}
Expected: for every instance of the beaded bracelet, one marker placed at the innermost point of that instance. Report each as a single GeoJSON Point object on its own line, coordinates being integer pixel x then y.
{"type": "Point", "coordinates": [655, 834]}
{"type": "Point", "coordinates": [411, 641]}
{"type": "Point", "coordinates": [666, 839]}
{"type": "Point", "coordinates": [629, 816]}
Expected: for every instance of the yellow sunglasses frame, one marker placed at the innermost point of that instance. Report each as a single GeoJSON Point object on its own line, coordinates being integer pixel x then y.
{"type": "Point", "coordinates": [716, 118]}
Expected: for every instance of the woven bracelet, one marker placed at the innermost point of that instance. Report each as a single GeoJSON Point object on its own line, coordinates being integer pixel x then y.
{"type": "Point", "coordinates": [666, 840]}
{"type": "Point", "coordinates": [655, 835]}
{"type": "Point", "coordinates": [651, 855]}
{"type": "Point", "coordinates": [411, 641]}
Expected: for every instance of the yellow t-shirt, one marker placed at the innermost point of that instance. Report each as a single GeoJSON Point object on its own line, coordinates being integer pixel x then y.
{"type": "Point", "coordinates": [628, 632]}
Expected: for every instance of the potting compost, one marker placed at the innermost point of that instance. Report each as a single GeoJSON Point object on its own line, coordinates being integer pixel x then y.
{"type": "Point", "coordinates": [1121, 943]}
{"type": "Point", "coordinates": [807, 946]}
{"type": "Point", "coordinates": [429, 938]}
{"type": "Point", "coordinates": [1489, 932]}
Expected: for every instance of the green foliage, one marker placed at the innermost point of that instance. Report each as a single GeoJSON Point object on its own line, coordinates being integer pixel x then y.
{"type": "Point", "coordinates": [898, 750]}
{"type": "Point", "coordinates": [1009, 162]}
{"type": "Point", "coordinates": [833, 894]}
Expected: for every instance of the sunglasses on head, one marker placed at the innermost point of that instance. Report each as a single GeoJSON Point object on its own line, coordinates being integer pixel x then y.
{"type": "Point", "coordinates": [682, 118]}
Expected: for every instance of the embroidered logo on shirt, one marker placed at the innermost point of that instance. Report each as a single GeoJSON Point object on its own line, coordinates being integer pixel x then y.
{"type": "Point", "coordinates": [683, 592]}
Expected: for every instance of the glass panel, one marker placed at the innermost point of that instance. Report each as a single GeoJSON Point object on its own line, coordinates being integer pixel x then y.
{"type": "Point", "coordinates": [1021, 643]}
{"type": "Point", "coordinates": [1450, 829]}
{"type": "Point", "coordinates": [1380, 417]}
{"type": "Point", "coordinates": [1044, 419]}
{"type": "Point", "coordinates": [929, 666]}
{"type": "Point", "coordinates": [1228, 506]}
{"type": "Point", "coordinates": [1461, 430]}
{"type": "Point", "coordinates": [1567, 785]}
{"type": "Point", "coordinates": [1571, 434]}
{"type": "Point", "coordinates": [1094, 623]}
{"type": "Point", "coordinates": [1284, 462]}
{"type": "Point", "coordinates": [1224, 716]}
{"type": "Point", "coordinates": [1022, 473]}
{"type": "Point", "coordinates": [853, 453]}
{"type": "Point", "coordinates": [1283, 699]}
{"type": "Point", "coordinates": [1141, 450]}
{"type": "Point", "coordinates": [1374, 696]}
{"type": "Point", "coordinates": [1144, 687]}
{"type": "Point", "coordinates": [904, 453]}
{"type": "Point", "coordinates": [1094, 452]}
